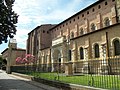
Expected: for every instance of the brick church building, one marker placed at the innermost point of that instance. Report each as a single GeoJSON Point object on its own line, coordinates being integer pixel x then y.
{"type": "Point", "coordinates": [88, 40]}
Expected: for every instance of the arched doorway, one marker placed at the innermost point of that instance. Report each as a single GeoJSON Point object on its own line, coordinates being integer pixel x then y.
{"type": "Point", "coordinates": [56, 60]}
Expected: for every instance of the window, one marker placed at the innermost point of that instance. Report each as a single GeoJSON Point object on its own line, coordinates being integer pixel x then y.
{"type": "Point", "coordinates": [87, 12]}
{"type": "Point", "coordinates": [82, 15]}
{"type": "Point", "coordinates": [73, 19]}
{"type": "Point", "coordinates": [93, 27]}
{"type": "Point", "coordinates": [72, 34]}
{"type": "Point", "coordinates": [96, 50]}
{"type": "Point", "coordinates": [93, 9]}
{"type": "Point", "coordinates": [70, 21]}
{"type": "Point", "coordinates": [81, 31]}
{"type": "Point", "coordinates": [113, 0]}
{"type": "Point", "coordinates": [81, 53]}
{"type": "Point", "coordinates": [106, 3]}
{"type": "Point", "coordinates": [43, 31]}
{"type": "Point", "coordinates": [69, 55]}
{"type": "Point", "coordinates": [107, 22]}
{"type": "Point", "coordinates": [99, 7]}
{"type": "Point", "coordinates": [117, 47]}
{"type": "Point", "coordinates": [78, 17]}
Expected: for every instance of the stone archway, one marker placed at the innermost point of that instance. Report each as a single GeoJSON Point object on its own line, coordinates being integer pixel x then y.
{"type": "Point", "coordinates": [56, 60]}
{"type": "Point", "coordinates": [56, 56]}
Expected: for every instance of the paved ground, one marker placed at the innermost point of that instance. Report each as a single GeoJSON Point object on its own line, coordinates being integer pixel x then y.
{"type": "Point", "coordinates": [11, 82]}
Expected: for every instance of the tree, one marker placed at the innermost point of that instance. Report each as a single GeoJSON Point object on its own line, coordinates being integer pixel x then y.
{"type": "Point", "coordinates": [8, 20]}
{"type": "Point", "coordinates": [1, 60]}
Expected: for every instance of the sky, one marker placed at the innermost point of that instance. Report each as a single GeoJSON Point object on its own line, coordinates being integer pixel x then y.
{"type": "Point", "coordinates": [33, 13]}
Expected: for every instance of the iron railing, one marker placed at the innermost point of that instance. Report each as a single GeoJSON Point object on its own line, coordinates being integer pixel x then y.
{"type": "Point", "coordinates": [96, 72]}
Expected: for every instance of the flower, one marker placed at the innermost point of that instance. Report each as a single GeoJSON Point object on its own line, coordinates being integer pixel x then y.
{"type": "Point", "coordinates": [18, 60]}
{"type": "Point", "coordinates": [29, 58]}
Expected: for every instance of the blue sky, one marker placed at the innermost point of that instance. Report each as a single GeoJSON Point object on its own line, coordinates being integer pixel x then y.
{"type": "Point", "coordinates": [36, 12]}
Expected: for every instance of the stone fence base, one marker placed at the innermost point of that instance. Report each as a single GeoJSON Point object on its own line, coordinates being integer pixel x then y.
{"type": "Point", "coordinates": [58, 84]}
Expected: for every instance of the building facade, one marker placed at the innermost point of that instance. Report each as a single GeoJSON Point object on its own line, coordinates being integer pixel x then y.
{"type": "Point", "coordinates": [91, 34]}
{"type": "Point", "coordinates": [39, 39]}
{"type": "Point", "coordinates": [11, 53]}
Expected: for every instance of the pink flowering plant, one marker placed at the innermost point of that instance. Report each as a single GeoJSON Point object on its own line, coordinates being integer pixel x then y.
{"type": "Point", "coordinates": [18, 60]}
{"type": "Point", "coordinates": [29, 58]}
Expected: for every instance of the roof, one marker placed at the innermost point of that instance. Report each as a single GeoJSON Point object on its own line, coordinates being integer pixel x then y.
{"type": "Point", "coordinates": [19, 49]}
{"type": "Point", "coordinates": [4, 51]}
{"type": "Point", "coordinates": [97, 2]}
{"type": "Point", "coordinates": [40, 26]}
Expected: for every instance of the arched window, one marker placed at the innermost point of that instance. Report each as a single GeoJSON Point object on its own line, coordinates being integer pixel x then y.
{"type": "Point", "coordinates": [81, 53]}
{"type": "Point", "coordinates": [81, 31]}
{"type": "Point", "coordinates": [69, 55]}
{"type": "Point", "coordinates": [96, 50]}
{"type": "Point", "coordinates": [117, 47]}
{"type": "Point", "coordinates": [107, 22]}
{"type": "Point", "coordinates": [72, 34]}
{"type": "Point", "coordinates": [93, 27]}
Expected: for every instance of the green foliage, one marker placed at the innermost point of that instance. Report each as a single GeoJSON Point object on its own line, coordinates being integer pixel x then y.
{"type": "Point", "coordinates": [1, 59]}
{"type": "Point", "coordinates": [8, 19]}
{"type": "Point", "coordinates": [98, 81]}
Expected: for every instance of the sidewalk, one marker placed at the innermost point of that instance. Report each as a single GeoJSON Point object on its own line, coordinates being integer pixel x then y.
{"type": "Point", "coordinates": [37, 84]}
{"type": "Point", "coordinates": [12, 82]}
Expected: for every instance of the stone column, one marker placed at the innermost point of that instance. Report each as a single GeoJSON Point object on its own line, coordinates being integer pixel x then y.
{"type": "Point", "coordinates": [48, 63]}
{"type": "Point", "coordinates": [68, 69]}
{"type": "Point", "coordinates": [85, 63]}
{"type": "Point", "coordinates": [8, 68]}
{"type": "Point", "coordinates": [118, 9]}
{"type": "Point", "coordinates": [99, 22]}
{"type": "Point", "coordinates": [52, 60]}
{"type": "Point", "coordinates": [87, 25]}
{"type": "Point", "coordinates": [76, 30]}
{"type": "Point", "coordinates": [103, 63]}
{"type": "Point", "coordinates": [113, 11]}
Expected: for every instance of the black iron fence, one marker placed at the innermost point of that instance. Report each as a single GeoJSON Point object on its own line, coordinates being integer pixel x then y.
{"type": "Point", "coordinates": [96, 73]}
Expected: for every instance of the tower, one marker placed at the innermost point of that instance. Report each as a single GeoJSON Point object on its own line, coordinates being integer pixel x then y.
{"type": "Point", "coordinates": [12, 45]}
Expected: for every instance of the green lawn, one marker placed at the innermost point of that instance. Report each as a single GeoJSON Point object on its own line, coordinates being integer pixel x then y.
{"type": "Point", "coordinates": [100, 81]}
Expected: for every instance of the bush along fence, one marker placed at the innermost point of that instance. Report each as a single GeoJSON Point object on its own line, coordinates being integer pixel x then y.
{"type": "Point", "coordinates": [100, 73]}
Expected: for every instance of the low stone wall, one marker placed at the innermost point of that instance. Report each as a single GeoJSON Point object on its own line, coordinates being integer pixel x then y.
{"type": "Point", "coordinates": [58, 84]}
{"type": "Point", "coordinates": [64, 86]}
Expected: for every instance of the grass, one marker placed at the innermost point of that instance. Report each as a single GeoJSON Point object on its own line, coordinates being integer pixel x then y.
{"type": "Point", "coordinates": [100, 81]}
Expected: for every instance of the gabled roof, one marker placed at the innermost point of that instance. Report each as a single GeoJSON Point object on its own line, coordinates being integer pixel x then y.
{"type": "Point", "coordinates": [4, 51]}
{"type": "Point", "coordinates": [19, 49]}
{"type": "Point", "coordinates": [40, 26]}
